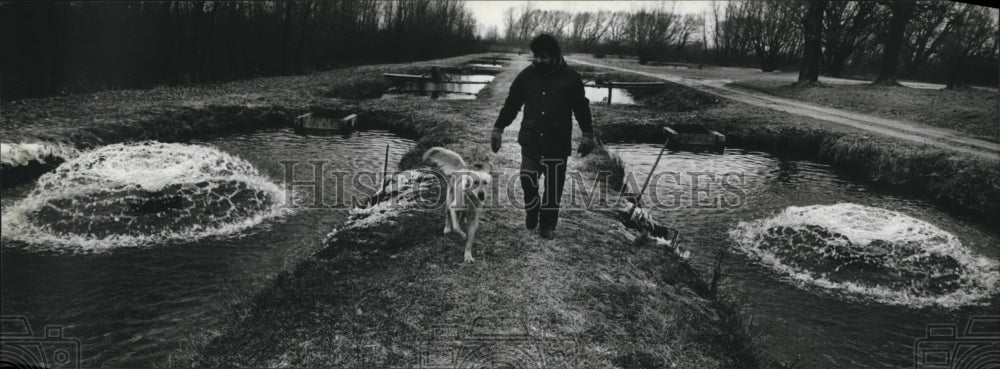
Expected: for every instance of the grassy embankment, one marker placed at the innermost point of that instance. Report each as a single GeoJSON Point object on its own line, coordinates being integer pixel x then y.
{"type": "Point", "coordinates": [972, 111]}
{"type": "Point", "coordinates": [598, 295]}
{"type": "Point", "coordinates": [172, 113]}
{"type": "Point", "coordinates": [965, 183]}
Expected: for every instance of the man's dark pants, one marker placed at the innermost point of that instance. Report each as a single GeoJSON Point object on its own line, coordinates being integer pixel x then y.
{"type": "Point", "coordinates": [554, 170]}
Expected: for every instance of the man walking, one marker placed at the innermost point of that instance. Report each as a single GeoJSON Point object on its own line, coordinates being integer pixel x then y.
{"type": "Point", "coordinates": [551, 93]}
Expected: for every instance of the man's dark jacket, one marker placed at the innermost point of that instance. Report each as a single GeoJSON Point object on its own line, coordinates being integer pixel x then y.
{"type": "Point", "coordinates": [550, 100]}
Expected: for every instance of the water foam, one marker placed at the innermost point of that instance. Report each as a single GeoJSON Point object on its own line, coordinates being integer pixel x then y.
{"type": "Point", "coordinates": [18, 154]}
{"type": "Point", "coordinates": [142, 194]}
{"type": "Point", "coordinates": [871, 253]}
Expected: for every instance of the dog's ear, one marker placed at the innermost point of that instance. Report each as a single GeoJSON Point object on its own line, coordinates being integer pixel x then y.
{"type": "Point", "coordinates": [485, 168]}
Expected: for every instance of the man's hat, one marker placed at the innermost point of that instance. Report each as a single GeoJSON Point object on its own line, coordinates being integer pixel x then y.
{"type": "Point", "coordinates": [545, 44]}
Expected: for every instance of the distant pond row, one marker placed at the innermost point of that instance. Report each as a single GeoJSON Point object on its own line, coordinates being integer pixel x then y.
{"type": "Point", "coordinates": [464, 83]}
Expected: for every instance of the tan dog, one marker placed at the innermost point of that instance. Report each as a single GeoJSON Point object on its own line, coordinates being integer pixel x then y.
{"type": "Point", "coordinates": [465, 195]}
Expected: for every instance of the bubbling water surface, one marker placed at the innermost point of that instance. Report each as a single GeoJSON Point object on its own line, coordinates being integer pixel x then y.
{"type": "Point", "coordinates": [141, 194]}
{"type": "Point", "coordinates": [871, 253]}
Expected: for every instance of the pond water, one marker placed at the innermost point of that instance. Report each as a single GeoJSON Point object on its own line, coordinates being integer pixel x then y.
{"type": "Point", "coordinates": [599, 95]}
{"type": "Point", "coordinates": [485, 65]}
{"type": "Point", "coordinates": [138, 249]}
{"type": "Point", "coordinates": [453, 87]}
{"type": "Point", "coordinates": [835, 273]}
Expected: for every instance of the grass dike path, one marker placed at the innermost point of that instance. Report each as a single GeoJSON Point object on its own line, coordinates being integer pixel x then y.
{"type": "Point", "coordinates": [390, 290]}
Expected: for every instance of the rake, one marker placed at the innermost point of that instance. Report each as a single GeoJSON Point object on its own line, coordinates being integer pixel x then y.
{"type": "Point", "coordinates": [638, 216]}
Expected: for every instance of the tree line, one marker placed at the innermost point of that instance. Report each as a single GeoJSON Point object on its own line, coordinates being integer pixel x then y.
{"type": "Point", "coordinates": [933, 39]}
{"type": "Point", "coordinates": [646, 33]}
{"type": "Point", "coordinates": [63, 46]}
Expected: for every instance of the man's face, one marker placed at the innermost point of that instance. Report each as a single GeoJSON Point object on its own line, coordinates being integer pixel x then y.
{"type": "Point", "coordinates": [543, 61]}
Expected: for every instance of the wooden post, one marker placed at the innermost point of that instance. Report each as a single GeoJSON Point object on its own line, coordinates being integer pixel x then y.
{"type": "Point", "coordinates": [349, 122]}
{"type": "Point", "coordinates": [609, 92]}
{"type": "Point", "coordinates": [385, 167]}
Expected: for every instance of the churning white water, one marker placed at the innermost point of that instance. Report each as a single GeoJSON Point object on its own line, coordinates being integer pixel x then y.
{"type": "Point", "coordinates": [142, 194]}
{"type": "Point", "coordinates": [15, 154]}
{"type": "Point", "coordinates": [871, 253]}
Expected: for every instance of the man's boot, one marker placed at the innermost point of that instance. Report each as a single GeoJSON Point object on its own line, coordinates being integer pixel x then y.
{"type": "Point", "coordinates": [548, 218]}
{"type": "Point", "coordinates": [531, 218]}
{"type": "Point", "coordinates": [547, 232]}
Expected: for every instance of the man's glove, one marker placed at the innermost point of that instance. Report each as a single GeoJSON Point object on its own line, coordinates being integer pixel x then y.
{"type": "Point", "coordinates": [586, 144]}
{"type": "Point", "coordinates": [495, 139]}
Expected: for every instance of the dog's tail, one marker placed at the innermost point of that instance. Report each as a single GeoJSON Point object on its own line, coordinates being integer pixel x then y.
{"type": "Point", "coordinates": [448, 160]}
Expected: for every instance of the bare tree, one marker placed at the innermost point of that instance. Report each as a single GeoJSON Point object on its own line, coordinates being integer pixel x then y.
{"type": "Point", "coordinates": [812, 50]}
{"type": "Point", "coordinates": [771, 28]}
{"type": "Point", "coordinates": [704, 40]}
{"type": "Point", "coordinates": [901, 14]}
{"type": "Point", "coordinates": [932, 22]}
{"type": "Point", "coordinates": [588, 28]}
{"type": "Point", "coordinates": [510, 24]}
{"type": "Point", "coordinates": [617, 29]}
{"type": "Point", "coordinates": [527, 22]}
{"type": "Point", "coordinates": [304, 22]}
{"type": "Point", "coordinates": [553, 22]}
{"type": "Point", "coordinates": [729, 40]}
{"type": "Point", "coordinates": [578, 26]}
{"type": "Point", "coordinates": [688, 26]}
{"type": "Point", "coordinates": [141, 44]}
{"type": "Point", "coordinates": [649, 31]}
{"type": "Point", "coordinates": [975, 35]}
{"type": "Point", "coordinates": [847, 26]}
{"type": "Point", "coordinates": [717, 28]}
{"type": "Point", "coordinates": [598, 28]}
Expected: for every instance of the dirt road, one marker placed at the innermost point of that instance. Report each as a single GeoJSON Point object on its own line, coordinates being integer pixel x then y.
{"type": "Point", "coordinates": [922, 134]}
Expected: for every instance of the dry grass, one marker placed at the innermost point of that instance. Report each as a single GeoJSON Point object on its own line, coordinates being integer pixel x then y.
{"type": "Point", "coordinates": [674, 98]}
{"type": "Point", "coordinates": [592, 300]}
{"type": "Point", "coordinates": [595, 296]}
{"type": "Point", "coordinates": [972, 111]}
{"type": "Point", "coordinates": [167, 112]}
{"type": "Point", "coordinates": [609, 167]}
{"type": "Point", "coordinates": [692, 70]}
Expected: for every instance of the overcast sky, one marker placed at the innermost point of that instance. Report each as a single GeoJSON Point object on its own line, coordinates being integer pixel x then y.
{"type": "Point", "coordinates": [489, 13]}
